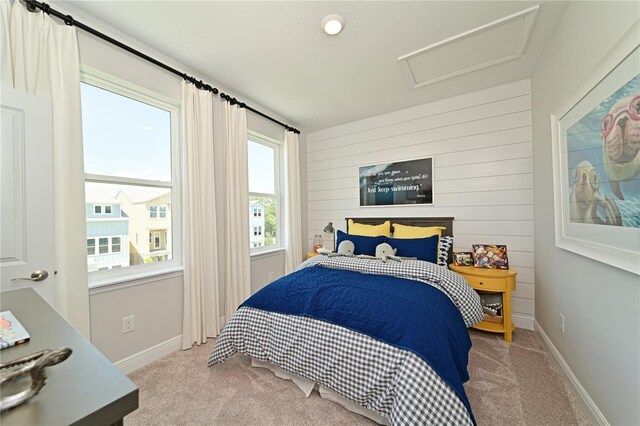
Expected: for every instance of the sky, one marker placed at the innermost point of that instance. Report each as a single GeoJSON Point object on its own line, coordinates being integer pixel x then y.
{"type": "Point", "coordinates": [124, 137]}
{"type": "Point", "coordinates": [128, 138]}
{"type": "Point", "coordinates": [261, 168]}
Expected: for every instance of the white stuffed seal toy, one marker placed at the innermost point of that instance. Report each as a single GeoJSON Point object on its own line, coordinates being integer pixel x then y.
{"type": "Point", "coordinates": [345, 248]}
{"type": "Point", "coordinates": [384, 252]}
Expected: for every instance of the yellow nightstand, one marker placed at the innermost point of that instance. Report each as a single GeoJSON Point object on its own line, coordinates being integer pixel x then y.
{"type": "Point", "coordinates": [493, 281]}
{"type": "Point", "coordinates": [310, 254]}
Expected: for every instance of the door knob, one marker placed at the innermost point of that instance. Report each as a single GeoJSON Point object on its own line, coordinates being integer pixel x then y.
{"type": "Point", "coordinates": [39, 275]}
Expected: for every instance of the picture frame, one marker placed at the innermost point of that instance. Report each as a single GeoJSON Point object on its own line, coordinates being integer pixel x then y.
{"type": "Point", "coordinates": [398, 183]}
{"type": "Point", "coordinates": [490, 256]}
{"type": "Point", "coordinates": [596, 169]}
{"type": "Point", "coordinates": [462, 258]}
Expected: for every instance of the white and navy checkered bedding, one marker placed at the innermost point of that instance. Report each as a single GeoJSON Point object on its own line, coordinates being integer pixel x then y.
{"type": "Point", "coordinates": [394, 382]}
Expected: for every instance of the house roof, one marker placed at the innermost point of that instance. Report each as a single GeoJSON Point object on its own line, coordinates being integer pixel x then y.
{"type": "Point", "coordinates": [100, 194]}
{"type": "Point", "coordinates": [138, 194]}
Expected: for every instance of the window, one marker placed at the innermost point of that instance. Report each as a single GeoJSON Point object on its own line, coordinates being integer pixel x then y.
{"type": "Point", "coordinates": [91, 246]}
{"type": "Point", "coordinates": [132, 166]}
{"type": "Point", "coordinates": [158, 212]}
{"type": "Point", "coordinates": [115, 244]}
{"type": "Point", "coordinates": [103, 245]}
{"type": "Point", "coordinates": [101, 209]}
{"type": "Point", "coordinates": [264, 161]}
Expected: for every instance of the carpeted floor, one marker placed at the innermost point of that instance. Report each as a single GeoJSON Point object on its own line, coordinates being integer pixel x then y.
{"type": "Point", "coordinates": [511, 384]}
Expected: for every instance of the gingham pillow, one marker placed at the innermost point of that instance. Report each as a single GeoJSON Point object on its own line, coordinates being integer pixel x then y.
{"type": "Point", "coordinates": [445, 245]}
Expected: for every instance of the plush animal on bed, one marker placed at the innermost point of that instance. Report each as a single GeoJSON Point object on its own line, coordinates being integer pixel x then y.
{"type": "Point", "coordinates": [345, 248]}
{"type": "Point", "coordinates": [384, 252]}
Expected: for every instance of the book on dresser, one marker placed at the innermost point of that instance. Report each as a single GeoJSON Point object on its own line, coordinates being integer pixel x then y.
{"type": "Point", "coordinates": [11, 331]}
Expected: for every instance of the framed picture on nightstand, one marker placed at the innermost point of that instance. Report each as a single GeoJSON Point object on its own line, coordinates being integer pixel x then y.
{"type": "Point", "coordinates": [490, 256]}
{"type": "Point", "coordinates": [462, 258]}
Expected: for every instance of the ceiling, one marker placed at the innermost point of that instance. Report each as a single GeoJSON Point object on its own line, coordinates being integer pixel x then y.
{"type": "Point", "coordinates": [274, 52]}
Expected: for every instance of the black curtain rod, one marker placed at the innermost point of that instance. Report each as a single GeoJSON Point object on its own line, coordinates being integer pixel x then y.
{"type": "Point", "coordinates": [32, 5]}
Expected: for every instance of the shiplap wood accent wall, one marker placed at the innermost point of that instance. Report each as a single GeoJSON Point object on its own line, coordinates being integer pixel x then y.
{"type": "Point", "coordinates": [481, 144]}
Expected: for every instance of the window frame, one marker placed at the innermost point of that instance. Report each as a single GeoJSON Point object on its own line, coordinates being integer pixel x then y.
{"type": "Point", "coordinates": [91, 246]}
{"type": "Point", "coordinates": [121, 87]}
{"type": "Point", "coordinates": [278, 159]}
{"type": "Point", "coordinates": [111, 244]}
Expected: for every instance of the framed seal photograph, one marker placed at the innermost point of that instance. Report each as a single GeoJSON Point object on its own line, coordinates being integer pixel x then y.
{"type": "Point", "coordinates": [596, 162]}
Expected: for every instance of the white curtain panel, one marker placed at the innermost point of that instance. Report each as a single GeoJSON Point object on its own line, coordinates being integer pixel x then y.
{"type": "Point", "coordinates": [236, 255]}
{"type": "Point", "coordinates": [201, 283]}
{"type": "Point", "coordinates": [44, 60]}
{"type": "Point", "coordinates": [293, 215]}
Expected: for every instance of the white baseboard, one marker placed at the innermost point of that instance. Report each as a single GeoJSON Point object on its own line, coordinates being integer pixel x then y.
{"type": "Point", "coordinates": [595, 412]}
{"type": "Point", "coordinates": [523, 321]}
{"type": "Point", "coordinates": [147, 356]}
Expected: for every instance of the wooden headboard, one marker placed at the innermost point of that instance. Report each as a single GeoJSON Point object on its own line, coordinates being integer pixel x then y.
{"type": "Point", "coordinates": [446, 222]}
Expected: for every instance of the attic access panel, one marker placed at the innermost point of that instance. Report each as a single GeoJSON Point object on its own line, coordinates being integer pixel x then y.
{"type": "Point", "coordinates": [498, 41]}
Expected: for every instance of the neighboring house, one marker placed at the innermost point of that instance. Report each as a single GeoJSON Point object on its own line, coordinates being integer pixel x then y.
{"type": "Point", "coordinates": [107, 235]}
{"type": "Point", "coordinates": [256, 224]}
{"type": "Point", "coordinates": [149, 211]}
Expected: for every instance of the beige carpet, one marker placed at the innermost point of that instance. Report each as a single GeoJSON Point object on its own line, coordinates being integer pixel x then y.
{"type": "Point", "coordinates": [512, 384]}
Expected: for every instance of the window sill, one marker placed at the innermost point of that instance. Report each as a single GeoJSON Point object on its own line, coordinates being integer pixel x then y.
{"type": "Point", "coordinates": [266, 253]}
{"type": "Point", "coordinates": [143, 277]}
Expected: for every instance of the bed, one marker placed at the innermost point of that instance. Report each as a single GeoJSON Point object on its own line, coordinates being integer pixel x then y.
{"type": "Point", "coordinates": [387, 340]}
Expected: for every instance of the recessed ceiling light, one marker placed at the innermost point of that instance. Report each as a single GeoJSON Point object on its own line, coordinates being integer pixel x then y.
{"type": "Point", "coordinates": [332, 24]}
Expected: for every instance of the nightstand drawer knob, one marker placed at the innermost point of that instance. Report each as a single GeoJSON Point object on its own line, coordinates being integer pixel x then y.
{"type": "Point", "coordinates": [481, 283]}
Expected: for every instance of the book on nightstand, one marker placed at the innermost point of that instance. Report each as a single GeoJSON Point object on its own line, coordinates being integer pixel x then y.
{"type": "Point", "coordinates": [11, 331]}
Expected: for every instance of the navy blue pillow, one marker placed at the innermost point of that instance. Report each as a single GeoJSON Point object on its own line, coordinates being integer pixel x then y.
{"type": "Point", "coordinates": [364, 245]}
{"type": "Point", "coordinates": [420, 248]}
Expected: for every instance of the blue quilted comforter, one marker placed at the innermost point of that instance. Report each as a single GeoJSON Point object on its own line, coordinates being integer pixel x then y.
{"type": "Point", "coordinates": [401, 312]}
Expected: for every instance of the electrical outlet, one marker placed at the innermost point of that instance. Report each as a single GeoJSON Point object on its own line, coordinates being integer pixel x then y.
{"type": "Point", "coordinates": [562, 323]}
{"type": "Point", "coordinates": [128, 325]}
{"type": "Point", "coordinates": [270, 276]}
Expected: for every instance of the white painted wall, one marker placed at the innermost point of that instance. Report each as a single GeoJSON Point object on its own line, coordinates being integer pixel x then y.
{"type": "Point", "coordinates": [157, 304]}
{"type": "Point", "coordinates": [481, 144]}
{"type": "Point", "coordinates": [601, 304]}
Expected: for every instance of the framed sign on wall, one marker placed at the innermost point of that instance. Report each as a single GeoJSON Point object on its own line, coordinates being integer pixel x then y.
{"type": "Point", "coordinates": [408, 182]}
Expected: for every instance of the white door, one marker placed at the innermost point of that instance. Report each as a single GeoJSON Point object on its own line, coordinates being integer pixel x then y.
{"type": "Point", "coordinates": [26, 212]}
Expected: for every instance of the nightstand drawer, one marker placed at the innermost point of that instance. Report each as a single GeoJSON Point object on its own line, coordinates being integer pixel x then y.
{"type": "Point", "coordinates": [480, 283]}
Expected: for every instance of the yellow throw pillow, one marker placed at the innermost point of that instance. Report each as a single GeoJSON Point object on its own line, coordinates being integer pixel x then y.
{"type": "Point", "coordinates": [404, 231]}
{"type": "Point", "coordinates": [369, 230]}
